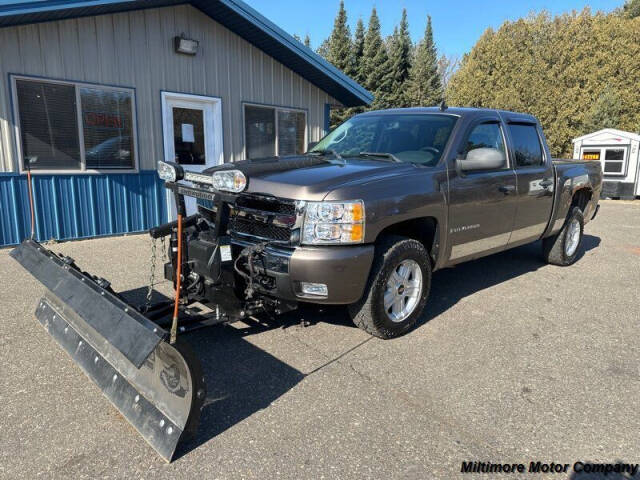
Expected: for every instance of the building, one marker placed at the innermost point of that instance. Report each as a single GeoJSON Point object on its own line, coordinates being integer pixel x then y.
{"type": "Point", "coordinates": [94, 93]}
{"type": "Point", "coordinates": [617, 152]}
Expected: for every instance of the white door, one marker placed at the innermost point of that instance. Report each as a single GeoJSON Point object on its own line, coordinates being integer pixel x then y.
{"type": "Point", "coordinates": [192, 130]}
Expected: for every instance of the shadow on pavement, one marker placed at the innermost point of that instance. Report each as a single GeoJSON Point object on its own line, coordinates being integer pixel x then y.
{"type": "Point", "coordinates": [450, 285]}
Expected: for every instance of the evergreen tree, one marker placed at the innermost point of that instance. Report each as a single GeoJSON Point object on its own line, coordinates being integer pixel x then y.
{"type": "Point", "coordinates": [399, 64]}
{"type": "Point", "coordinates": [307, 41]}
{"type": "Point", "coordinates": [375, 62]}
{"type": "Point", "coordinates": [339, 46]}
{"type": "Point", "coordinates": [566, 70]}
{"type": "Point", "coordinates": [323, 49]}
{"type": "Point", "coordinates": [605, 111]}
{"type": "Point", "coordinates": [358, 52]}
{"type": "Point", "coordinates": [631, 8]}
{"type": "Point", "coordinates": [425, 86]}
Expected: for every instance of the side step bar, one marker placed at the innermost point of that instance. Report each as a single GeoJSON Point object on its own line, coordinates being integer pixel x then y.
{"type": "Point", "coordinates": [159, 388]}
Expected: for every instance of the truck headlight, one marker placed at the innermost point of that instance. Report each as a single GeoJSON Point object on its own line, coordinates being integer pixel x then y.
{"type": "Point", "coordinates": [170, 172]}
{"type": "Point", "coordinates": [333, 223]}
{"type": "Point", "coordinates": [229, 181]}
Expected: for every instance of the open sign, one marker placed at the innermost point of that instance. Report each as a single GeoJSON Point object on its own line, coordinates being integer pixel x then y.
{"type": "Point", "coordinates": [103, 120]}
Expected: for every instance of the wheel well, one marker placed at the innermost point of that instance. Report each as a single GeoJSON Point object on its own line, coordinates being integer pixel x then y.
{"type": "Point", "coordinates": [421, 229]}
{"type": "Point", "coordinates": [581, 198]}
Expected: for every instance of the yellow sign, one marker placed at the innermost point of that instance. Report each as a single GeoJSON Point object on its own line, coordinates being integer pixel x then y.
{"type": "Point", "coordinates": [591, 155]}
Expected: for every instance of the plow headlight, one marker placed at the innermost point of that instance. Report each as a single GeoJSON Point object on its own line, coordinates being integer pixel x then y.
{"type": "Point", "coordinates": [229, 181]}
{"type": "Point", "coordinates": [333, 222]}
{"type": "Point", "coordinates": [170, 172]}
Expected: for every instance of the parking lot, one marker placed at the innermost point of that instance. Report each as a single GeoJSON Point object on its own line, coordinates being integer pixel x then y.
{"type": "Point", "coordinates": [515, 361]}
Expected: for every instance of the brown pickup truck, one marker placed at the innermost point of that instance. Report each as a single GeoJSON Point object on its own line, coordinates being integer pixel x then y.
{"type": "Point", "coordinates": [362, 220]}
{"type": "Point", "coordinates": [366, 216]}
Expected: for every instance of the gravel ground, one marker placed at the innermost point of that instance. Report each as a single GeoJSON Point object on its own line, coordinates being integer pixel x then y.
{"type": "Point", "coordinates": [515, 361]}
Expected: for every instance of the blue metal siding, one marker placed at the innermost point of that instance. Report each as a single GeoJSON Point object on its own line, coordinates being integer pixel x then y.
{"type": "Point", "coordinates": [80, 206]}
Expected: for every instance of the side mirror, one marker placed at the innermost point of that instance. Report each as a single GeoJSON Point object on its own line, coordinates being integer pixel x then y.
{"type": "Point", "coordinates": [482, 159]}
{"type": "Point", "coordinates": [310, 145]}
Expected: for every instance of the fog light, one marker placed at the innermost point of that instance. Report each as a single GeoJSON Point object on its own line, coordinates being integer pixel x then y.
{"type": "Point", "coordinates": [316, 289]}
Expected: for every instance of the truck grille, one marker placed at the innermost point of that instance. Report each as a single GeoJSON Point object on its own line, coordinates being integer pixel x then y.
{"type": "Point", "coordinates": [263, 218]}
{"type": "Point", "coordinates": [262, 231]}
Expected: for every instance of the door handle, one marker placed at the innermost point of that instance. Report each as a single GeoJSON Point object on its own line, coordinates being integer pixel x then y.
{"type": "Point", "coordinates": [546, 183]}
{"type": "Point", "coordinates": [507, 189]}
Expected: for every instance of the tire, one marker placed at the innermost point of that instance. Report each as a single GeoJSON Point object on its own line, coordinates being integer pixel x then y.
{"type": "Point", "coordinates": [560, 249]}
{"type": "Point", "coordinates": [404, 256]}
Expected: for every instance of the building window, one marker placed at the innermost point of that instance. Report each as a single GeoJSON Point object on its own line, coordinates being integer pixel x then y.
{"type": "Point", "coordinates": [613, 159]}
{"type": "Point", "coordinates": [67, 126]}
{"type": "Point", "coordinates": [526, 145]}
{"type": "Point", "coordinates": [274, 131]}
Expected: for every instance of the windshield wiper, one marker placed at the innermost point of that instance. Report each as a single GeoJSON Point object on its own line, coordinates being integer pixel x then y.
{"type": "Point", "coordinates": [390, 156]}
{"type": "Point", "coordinates": [328, 151]}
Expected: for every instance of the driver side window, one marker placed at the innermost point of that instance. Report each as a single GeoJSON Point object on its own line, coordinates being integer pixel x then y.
{"type": "Point", "coordinates": [485, 135]}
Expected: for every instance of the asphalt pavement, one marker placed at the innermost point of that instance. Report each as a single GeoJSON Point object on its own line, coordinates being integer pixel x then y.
{"type": "Point", "coordinates": [514, 361]}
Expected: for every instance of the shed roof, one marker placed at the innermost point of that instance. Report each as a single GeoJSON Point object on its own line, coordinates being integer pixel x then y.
{"type": "Point", "coordinates": [236, 15]}
{"type": "Point", "coordinates": [610, 131]}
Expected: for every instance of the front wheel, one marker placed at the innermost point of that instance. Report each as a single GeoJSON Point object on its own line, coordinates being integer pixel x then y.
{"type": "Point", "coordinates": [563, 248]}
{"type": "Point", "coordinates": [397, 288]}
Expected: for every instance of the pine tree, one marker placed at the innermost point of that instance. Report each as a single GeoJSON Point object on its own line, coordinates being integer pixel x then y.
{"type": "Point", "coordinates": [339, 46]}
{"type": "Point", "coordinates": [323, 49]}
{"type": "Point", "coordinates": [558, 69]}
{"type": "Point", "coordinates": [399, 64]}
{"type": "Point", "coordinates": [424, 86]}
{"type": "Point", "coordinates": [631, 8]}
{"type": "Point", "coordinates": [375, 62]}
{"type": "Point", "coordinates": [605, 111]}
{"type": "Point", "coordinates": [307, 41]}
{"type": "Point", "coordinates": [358, 52]}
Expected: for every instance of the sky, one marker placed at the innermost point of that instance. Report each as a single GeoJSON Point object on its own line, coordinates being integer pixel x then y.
{"type": "Point", "coordinates": [456, 24]}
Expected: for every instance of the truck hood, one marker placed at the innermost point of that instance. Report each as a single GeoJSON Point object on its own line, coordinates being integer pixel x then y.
{"type": "Point", "coordinates": [309, 177]}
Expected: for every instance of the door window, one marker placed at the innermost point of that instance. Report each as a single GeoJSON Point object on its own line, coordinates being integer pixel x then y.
{"type": "Point", "coordinates": [526, 145]}
{"type": "Point", "coordinates": [188, 136]}
{"type": "Point", "coordinates": [485, 135]}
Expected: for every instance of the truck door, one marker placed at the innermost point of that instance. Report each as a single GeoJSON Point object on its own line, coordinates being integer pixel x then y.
{"type": "Point", "coordinates": [534, 172]}
{"type": "Point", "coordinates": [482, 203]}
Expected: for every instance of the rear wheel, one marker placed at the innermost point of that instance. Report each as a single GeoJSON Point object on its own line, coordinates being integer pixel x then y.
{"type": "Point", "coordinates": [563, 248]}
{"type": "Point", "coordinates": [397, 288]}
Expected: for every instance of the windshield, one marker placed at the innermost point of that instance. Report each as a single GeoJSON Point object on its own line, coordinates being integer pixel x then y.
{"type": "Point", "coordinates": [409, 138]}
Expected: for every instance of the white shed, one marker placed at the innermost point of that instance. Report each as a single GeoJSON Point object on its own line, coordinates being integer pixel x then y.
{"type": "Point", "coordinates": [617, 152]}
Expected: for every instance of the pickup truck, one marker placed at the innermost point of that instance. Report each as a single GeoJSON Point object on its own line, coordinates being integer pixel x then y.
{"type": "Point", "coordinates": [363, 220]}
{"type": "Point", "coordinates": [388, 197]}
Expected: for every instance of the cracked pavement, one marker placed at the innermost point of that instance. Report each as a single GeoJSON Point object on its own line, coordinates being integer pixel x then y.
{"type": "Point", "coordinates": [514, 361]}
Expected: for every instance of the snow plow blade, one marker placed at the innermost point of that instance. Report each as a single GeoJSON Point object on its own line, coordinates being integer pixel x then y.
{"type": "Point", "coordinates": [158, 387]}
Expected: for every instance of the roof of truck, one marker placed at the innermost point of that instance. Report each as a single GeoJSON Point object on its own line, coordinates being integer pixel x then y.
{"type": "Point", "coordinates": [460, 111]}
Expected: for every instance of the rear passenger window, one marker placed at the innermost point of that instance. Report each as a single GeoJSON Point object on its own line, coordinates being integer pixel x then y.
{"type": "Point", "coordinates": [526, 145]}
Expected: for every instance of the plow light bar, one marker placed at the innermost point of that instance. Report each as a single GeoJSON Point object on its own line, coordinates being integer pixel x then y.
{"type": "Point", "coordinates": [170, 172]}
{"type": "Point", "coordinates": [229, 181]}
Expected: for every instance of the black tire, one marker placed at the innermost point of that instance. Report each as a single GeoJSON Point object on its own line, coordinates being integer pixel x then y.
{"type": "Point", "coordinates": [369, 313]}
{"type": "Point", "coordinates": [554, 248]}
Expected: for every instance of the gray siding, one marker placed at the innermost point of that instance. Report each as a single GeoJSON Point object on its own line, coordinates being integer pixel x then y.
{"type": "Point", "coordinates": [135, 49]}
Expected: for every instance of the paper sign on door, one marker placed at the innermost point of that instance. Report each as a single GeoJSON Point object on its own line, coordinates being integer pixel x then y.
{"type": "Point", "coordinates": [187, 133]}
